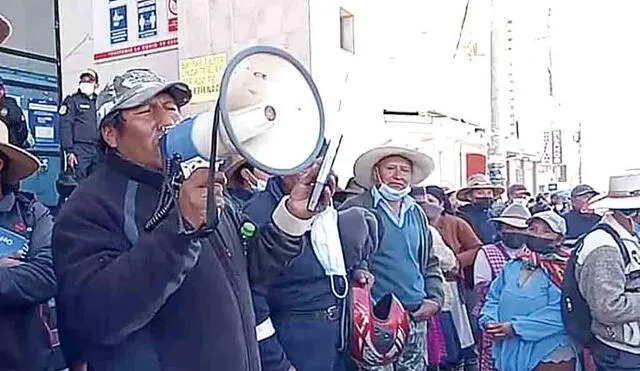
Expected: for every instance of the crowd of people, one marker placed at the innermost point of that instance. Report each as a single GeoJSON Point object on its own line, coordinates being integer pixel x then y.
{"type": "Point", "coordinates": [447, 279]}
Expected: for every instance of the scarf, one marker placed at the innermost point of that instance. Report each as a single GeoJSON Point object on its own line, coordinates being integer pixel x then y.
{"type": "Point", "coordinates": [553, 265]}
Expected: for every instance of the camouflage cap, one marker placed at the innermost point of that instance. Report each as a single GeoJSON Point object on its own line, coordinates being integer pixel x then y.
{"type": "Point", "coordinates": [134, 88]}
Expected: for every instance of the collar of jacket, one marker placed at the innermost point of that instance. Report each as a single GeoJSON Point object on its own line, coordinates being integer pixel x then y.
{"type": "Point", "coordinates": [136, 172]}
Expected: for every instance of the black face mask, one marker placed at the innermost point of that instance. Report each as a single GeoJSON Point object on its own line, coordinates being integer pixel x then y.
{"type": "Point", "coordinates": [484, 202]}
{"type": "Point", "coordinates": [513, 240]}
{"type": "Point", "coordinates": [630, 213]}
{"type": "Point", "coordinates": [541, 245]}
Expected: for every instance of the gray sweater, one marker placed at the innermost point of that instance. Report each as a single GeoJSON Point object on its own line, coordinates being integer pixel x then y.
{"type": "Point", "coordinates": [603, 281]}
{"type": "Point", "coordinates": [430, 265]}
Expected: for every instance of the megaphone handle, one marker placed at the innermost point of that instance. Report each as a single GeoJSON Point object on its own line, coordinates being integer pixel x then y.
{"type": "Point", "coordinates": [212, 205]}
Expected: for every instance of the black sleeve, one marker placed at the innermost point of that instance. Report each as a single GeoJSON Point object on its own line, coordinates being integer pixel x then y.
{"type": "Point", "coordinates": [33, 281]}
{"type": "Point", "coordinates": [108, 287]}
{"type": "Point", "coordinates": [277, 243]}
{"type": "Point", "coordinates": [67, 113]}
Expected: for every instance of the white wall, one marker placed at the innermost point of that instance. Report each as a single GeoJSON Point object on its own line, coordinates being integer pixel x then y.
{"type": "Point", "coordinates": [76, 29]}
{"type": "Point", "coordinates": [354, 79]}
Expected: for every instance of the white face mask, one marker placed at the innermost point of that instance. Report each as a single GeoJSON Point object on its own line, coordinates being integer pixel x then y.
{"type": "Point", "coordinates": [325, 240]}
{"type": "Point", "coordinates": [260, 185]}
{"type": "Point", "coordinates": [87, 88]}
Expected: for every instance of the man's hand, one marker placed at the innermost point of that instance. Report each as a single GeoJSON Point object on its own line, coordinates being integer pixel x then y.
{"type": "Point", "coordinates": [363, 278]}
{"type": "Point", "coordinates": [72, 161]}
{"type": "Point", "coordinates": [301, 191]}
{"type": "Point", "coordinates": [427, 310]}
{"type": "Point", "coordinates": [499, 331]}
{"type": "Point", "coordinates": [193, 196]}
{"type": "Point", "coordinates": [9, 262]}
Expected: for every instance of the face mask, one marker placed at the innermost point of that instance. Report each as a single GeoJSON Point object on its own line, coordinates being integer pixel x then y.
{"type": "Point", "coordinates": [260, 185]}
{"type": "Point", "coordinates": [433, 211]}
{"type": "Point", "coordinates": [87, 88]}
{"type": "Point", "coordinates": [391, 194]}
{"type": "Point", "coordinates": [541, 245]}
{"type": "Point", "coordinates": [484, 202]}
{"type": "Point", "coordinates": [631, 213]}
{"type": "Point", "coordinates": [558, 207]}
{"type": "Point", "coordinates": [513, 240]}
{"type": "Point", "coordinates": [325, 240]}
{"type": "Point", "coordinates": [520, 201]}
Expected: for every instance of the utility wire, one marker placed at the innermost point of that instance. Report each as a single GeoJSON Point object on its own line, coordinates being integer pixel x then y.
{"type": "Point", "coordinates": [464, 19]}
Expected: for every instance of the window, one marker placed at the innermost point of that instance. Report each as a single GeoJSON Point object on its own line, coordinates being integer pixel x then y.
{"type": "Point", "coordinates": [347, 41]}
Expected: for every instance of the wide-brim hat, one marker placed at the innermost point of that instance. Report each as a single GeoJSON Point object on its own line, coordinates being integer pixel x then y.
{"type": "Point", "coordinates": [624, 193]}
{"type": "Point", "coordinates": [363, 167]}
{"type": "Point", "coordinates": [478, 181]}
{"type": "Point", "coordinates": [515, 215]}
{"type": "Point", "coordinates": [21, 163]}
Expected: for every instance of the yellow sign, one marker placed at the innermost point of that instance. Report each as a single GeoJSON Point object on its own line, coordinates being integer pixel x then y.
{"type": "Point", "coordinates": [203, 75]}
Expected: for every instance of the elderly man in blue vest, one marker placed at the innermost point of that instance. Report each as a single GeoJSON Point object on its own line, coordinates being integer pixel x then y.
{"type": "Point", "coordinates": [404, 262]}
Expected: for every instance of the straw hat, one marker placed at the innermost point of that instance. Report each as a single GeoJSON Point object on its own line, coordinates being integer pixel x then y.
{"type": "Point", "coordinates": [515, 215]}
{"type": "Point", "coordinates": [363, 167]}
{"type": "Point", "coordinates": [624, 193]}
{"type": "Point", "coordinates": [21, 163]}
{"type": "Point", "coordinates": [478, 181]}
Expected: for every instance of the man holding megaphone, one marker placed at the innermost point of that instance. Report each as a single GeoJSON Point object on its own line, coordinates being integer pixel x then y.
{"type": "Point", "coordinates": [131, 298]}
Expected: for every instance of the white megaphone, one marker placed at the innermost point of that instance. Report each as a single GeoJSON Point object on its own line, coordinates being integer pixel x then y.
{"type": "Point", "coordinates": [271, 114]}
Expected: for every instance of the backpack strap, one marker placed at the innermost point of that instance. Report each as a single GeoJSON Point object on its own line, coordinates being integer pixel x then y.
{"type": "Point", "coordinates": [616, 237]}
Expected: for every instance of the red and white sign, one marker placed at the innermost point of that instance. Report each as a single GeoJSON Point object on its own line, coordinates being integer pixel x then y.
{"type": "Point", "coordinates": [127, 28]}
{"type": "Point", "coordinates": [172, 9]}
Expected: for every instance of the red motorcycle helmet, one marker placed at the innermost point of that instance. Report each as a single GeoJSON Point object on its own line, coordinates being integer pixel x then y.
{"type": "Point", "coordinates": [378, 333]}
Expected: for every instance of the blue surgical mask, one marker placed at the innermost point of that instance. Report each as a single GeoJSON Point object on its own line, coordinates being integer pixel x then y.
{"type": "Point", "coordinates": [260, 186]}
{"type": "Point", "coordinates": [393, 195]}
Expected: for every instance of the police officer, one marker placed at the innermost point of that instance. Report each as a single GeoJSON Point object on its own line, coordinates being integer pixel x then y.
{"type": "Point", "coordinates": [78, 128]}
{"type": "Point", "coordinates": [11, 114]}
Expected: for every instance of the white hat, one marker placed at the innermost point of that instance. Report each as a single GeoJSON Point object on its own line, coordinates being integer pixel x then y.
{"type": "Point", "coordinates": [553, 220]}
{"type": "Point", "coordinates": [515, 215]}
{"type": "Point", "coordinates": [478, 181]}
{"type": "Point", "coordinates": [21, 163]}
{"type": "Point", "coordinates": [363, 167]}
{"type": "Point", "coordinates": [624, 193]}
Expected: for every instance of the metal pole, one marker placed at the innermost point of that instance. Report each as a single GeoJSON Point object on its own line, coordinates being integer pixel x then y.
{"type": "Point", "coordinates": [579, 152]}
{"type": "Point", "coordinates": [495, 160]}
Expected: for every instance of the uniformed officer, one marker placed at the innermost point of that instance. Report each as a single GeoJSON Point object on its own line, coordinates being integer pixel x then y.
{"type": "Point", "coordinates": [11, 114]}
{"type": "Point", "coordinates": [79, 136]}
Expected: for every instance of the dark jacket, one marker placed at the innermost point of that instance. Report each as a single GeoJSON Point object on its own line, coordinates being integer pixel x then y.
{"type": "Point", "coordinates": [136, 300]}
{"type": "Point", "coordinates": [24, 340]}
{"type": "Point", "coordinates": [478, 217]}
{"type": "Point", "coordinates": [303, 288]}
{"type": "Point", "coordinates": [430, 266]}
{"type": "Point", "coordinates": [578, 224]}
{"type": "Point", "coordinates": [13, 116]}
{"type": "Point", "coordinates": [78, 121]}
